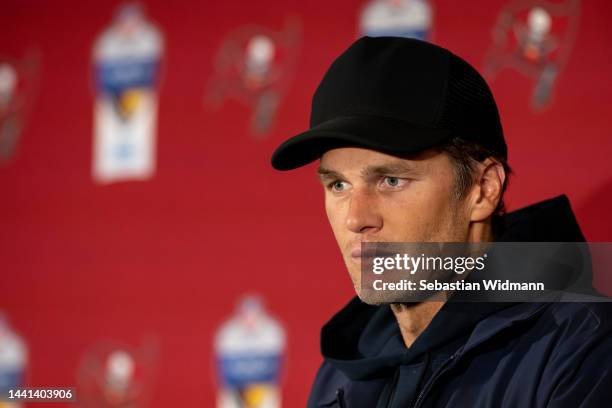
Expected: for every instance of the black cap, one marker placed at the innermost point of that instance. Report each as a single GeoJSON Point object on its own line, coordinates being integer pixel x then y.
{"type": "Point", "coordinates": [398, 96]}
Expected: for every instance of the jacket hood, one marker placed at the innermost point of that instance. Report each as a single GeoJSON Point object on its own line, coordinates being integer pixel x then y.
{"type": "Point", "coordinates": [364, 341]}
{"type": "Point", "coordinates": [547, 221]}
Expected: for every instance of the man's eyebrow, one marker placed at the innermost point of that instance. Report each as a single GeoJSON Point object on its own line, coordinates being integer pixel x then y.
{"type": "Point", "coordinates": [372, 171]}
{"type": "Point", "coordinates": [389, 168]}
{"type": "Point", "coordinates": [328, 173]}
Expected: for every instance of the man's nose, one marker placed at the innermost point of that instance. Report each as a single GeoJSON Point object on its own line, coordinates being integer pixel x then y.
{"type": "Point", "coordinates": [362, 213]}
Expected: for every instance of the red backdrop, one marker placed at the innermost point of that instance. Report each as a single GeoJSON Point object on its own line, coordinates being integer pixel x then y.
{"type": "Point", "coordinates": [81, 262]}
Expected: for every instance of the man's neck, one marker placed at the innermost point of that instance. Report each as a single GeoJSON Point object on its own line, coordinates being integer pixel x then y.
{"type": "Point", "coordinates": [414, 318]}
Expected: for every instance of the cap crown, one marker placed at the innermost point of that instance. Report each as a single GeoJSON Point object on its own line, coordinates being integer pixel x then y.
{"type": "Point", "coordinates": [412, 81]}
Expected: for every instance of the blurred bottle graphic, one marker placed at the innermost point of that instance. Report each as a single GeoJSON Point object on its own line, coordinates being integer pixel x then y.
{"type": "Point", "coordinates": [249, 349]}
{"type": "Point", "coordinates": [127, 59]}
{"type": "Point", "coordinates": [13, 361]}
{"type": "Point", "coordinates": [398, 18]}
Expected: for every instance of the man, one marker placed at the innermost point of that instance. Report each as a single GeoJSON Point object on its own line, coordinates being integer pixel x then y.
{"type": "Point", "coordinates": [411, 149]}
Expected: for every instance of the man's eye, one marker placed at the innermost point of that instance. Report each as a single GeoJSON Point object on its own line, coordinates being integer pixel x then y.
{"type": "Point", "coordinates": [338, 186]}
{"type": "Point", "coordinates": [390, 181]}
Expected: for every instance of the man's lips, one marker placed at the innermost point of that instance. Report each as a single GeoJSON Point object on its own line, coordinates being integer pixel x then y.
{"type": "Point", "coordinates": [357, 253]}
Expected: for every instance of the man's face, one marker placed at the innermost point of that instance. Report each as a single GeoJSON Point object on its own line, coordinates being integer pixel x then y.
{"type": "Point", "coordinates": [374, 197]}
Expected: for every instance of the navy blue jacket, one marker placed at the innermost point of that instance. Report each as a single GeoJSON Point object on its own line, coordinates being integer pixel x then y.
{"type": "Point", "coordinates": [475, 354]}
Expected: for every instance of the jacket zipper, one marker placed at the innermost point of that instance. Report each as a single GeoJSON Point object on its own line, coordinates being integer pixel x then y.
{"type": "Point", "coordinates": [438, 374]}
{"type": "Point", "coordinates": [340, 398]}
{"type": "Point", "coordinates": [393, 387]}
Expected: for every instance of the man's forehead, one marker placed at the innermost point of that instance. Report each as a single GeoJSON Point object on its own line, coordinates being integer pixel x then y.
{"type": "Point", "coordinates": [370, 160]}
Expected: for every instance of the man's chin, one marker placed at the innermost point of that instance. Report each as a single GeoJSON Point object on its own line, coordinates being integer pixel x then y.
{"type": "Point", "coordinates": [368, 300]}
{"type": "Point", "coordinates": [377, 298]}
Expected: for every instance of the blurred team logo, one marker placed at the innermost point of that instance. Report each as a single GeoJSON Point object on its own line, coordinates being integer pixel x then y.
{"type": "Point", "coordinates": [18, 81]}
{"type": "Point", "coordinates": [249, 349]}
{"type": "Point", "coordinates": [397, 18]}
{"type": "Point", "coordinates": [13, 362]}
{"type": "Point", "coordinates": [127, 58]}
{"type": "Point", "coordinates": [114, 375]}
{"type": "Point", "coordinates": [536, 39]}
{"type": "Point", "coordinates": [255, 65]}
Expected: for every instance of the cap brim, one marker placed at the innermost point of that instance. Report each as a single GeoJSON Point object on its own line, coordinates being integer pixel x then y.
{"type": "Point", "coordinates": [387, 135]}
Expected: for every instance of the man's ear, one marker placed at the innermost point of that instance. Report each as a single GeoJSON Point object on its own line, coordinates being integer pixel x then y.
{"type": "Point", "coordinates": [487, 190]}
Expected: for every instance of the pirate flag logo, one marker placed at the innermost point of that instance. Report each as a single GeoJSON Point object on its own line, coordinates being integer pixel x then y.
{"type": "Point", "coordinates": [536, 39]}
{"type": "Point", "coordinates": [255, 65]}
{"type": "Point", "coordinates": [127, 58]}
{"type": "Point", "coordinates": [18, 83]}
{"type": "Point", "coordinates": [113, 375]}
